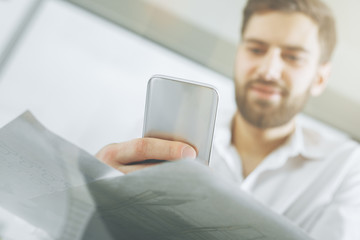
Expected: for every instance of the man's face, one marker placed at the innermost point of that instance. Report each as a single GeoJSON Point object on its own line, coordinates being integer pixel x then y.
{"type": "Point", "coordinates": [276, 67]}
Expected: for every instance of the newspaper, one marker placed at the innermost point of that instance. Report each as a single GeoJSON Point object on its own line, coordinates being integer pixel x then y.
{"type": "Point", "coordinates": [65, 193]}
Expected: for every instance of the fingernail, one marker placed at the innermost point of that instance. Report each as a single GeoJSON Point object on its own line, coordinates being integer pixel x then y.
{"type": "Point", "coordinates": [188, 152]}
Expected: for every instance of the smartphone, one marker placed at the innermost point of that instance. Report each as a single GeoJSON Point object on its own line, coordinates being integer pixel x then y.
{"type": "Point", "coordinates": [181, 110]}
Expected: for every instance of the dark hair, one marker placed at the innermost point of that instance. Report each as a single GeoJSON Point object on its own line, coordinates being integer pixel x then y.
{"type": "Point", "coordinates": [315, 9]}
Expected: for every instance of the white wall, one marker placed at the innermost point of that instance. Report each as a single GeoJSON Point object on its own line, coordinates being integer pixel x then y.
{"type": "Point", "coordinates": [219, 17]}
{"type": "Point", "coordinates": [85, 78]}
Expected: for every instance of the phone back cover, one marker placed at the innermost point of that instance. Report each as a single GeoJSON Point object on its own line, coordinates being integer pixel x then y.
{"type": "Point", "coordinates": [181, 110]}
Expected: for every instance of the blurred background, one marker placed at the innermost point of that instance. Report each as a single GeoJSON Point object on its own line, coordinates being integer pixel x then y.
{"type": "Point", "coordinates": [81, 66]}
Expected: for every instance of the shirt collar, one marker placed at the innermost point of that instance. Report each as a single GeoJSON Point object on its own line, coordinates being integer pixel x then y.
{"type": "Point", "coordinates": [304, 141]}
{"type": "Point", "coordinates": [307, 142]}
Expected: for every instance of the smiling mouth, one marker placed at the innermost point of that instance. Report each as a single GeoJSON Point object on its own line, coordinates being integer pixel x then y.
{"type": "Point", "coordinates": [266, 90]}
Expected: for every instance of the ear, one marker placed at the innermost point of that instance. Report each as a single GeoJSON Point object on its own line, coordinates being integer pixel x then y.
{"type": "Point", "coordinates": [321, 79]}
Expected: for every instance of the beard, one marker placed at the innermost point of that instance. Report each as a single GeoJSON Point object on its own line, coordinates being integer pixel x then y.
{"type": "Point", "coordinates": [263, 113]}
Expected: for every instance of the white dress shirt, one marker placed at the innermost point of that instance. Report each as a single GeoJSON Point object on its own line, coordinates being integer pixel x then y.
{"type": "Point", "coordinates": [313, 180]}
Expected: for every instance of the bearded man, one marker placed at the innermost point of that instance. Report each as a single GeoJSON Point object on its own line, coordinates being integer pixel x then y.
{"type": "Point", "coordinates": [283, 58]}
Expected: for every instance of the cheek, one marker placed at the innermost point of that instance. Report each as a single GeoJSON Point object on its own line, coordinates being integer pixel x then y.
{"type": "Point", "coordinates": [244, 66]}
{"type": "Point", "coordinates": [300, 81]}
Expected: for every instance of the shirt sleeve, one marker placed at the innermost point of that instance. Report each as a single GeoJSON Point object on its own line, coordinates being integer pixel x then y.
{"type": "Point", "coordinates": [340, 220]}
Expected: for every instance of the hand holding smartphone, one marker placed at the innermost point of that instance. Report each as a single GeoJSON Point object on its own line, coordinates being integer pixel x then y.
{"type": "Point", "coordinates": [181, 110]}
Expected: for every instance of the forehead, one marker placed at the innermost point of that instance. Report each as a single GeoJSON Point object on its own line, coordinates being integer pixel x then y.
{"type": "Point", "coordinates": [284, 29]}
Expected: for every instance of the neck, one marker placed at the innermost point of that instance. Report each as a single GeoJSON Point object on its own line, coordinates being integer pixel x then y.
{"type": "Point", "coordinates": [254, 144]}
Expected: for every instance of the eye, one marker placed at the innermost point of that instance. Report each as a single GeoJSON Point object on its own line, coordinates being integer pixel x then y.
{"type": "Point", "coordinates": [291, 57]}
{"type": "Point", "coordinates": [294, 58]}
{"type": "Point", "coordinates": [256, 50]}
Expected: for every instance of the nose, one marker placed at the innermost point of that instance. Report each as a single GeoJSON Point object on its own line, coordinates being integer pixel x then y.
{"type": "Point", "coordinates": [271, 65]}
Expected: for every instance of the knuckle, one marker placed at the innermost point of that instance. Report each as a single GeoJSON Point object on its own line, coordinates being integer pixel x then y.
{"type": "Point", "coordinates": [141, 147]}
{"type": "Point", "coordinates": [107, 153]}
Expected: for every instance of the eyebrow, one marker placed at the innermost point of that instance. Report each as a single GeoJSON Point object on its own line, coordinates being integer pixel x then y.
{"type": "Point", "coordinates": [287, 47]}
